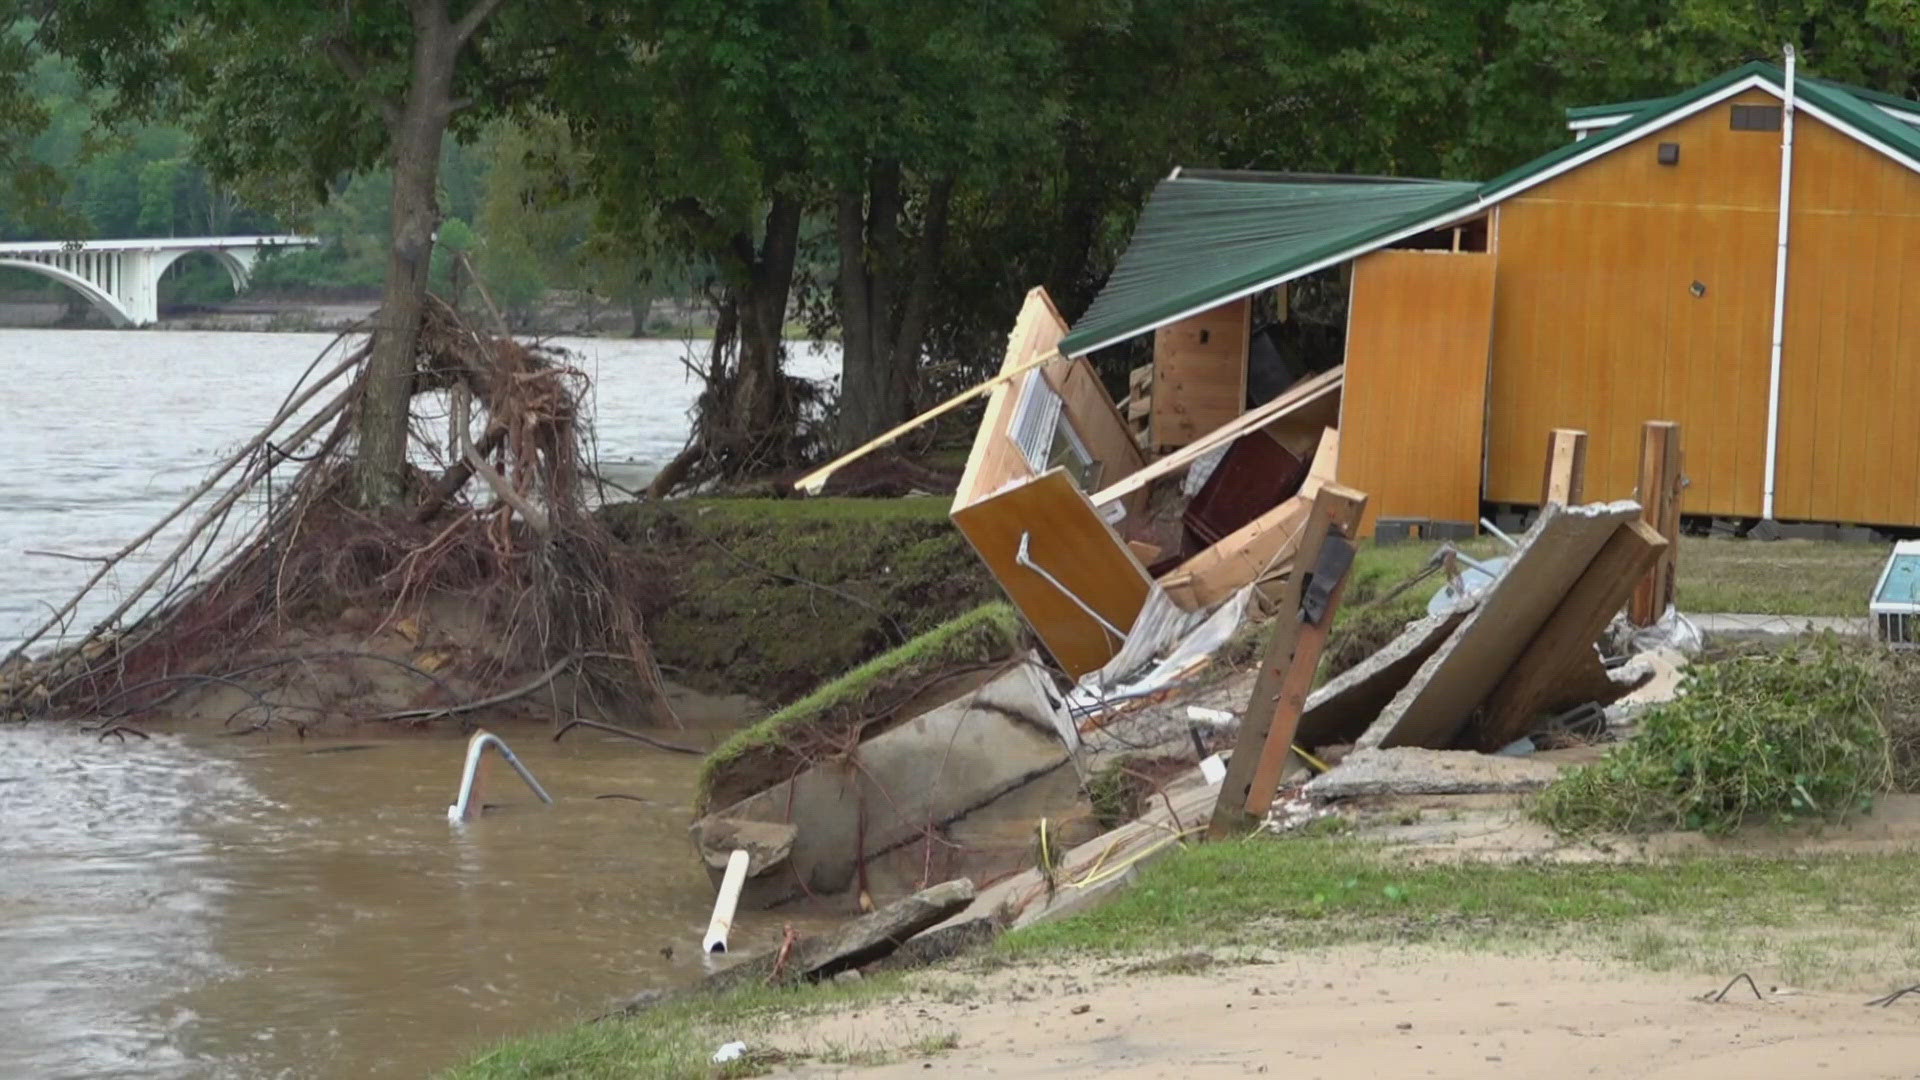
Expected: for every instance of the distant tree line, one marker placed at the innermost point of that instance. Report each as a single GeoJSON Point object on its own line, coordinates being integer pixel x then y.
{"type": "Point", "coordinates": [894, 172]}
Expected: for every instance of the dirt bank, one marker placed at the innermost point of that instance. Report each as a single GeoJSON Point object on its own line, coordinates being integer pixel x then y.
{"type": "Point", "coordinates": [1351, 1013]}
{"type": "Point", "coordinates": [772, 597]}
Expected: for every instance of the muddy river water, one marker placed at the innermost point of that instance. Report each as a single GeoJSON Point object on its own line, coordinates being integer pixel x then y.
{"type": "Point", "coordinates": [207, 906]}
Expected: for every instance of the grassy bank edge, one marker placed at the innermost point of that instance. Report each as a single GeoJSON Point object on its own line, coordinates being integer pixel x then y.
{"type": "Point", "coordinates": [1266, 894]}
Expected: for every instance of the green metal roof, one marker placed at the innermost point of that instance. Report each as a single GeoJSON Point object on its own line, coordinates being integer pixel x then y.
{"type": "Point", "coordinates": [1204, 239]}
{"type": "Point", "coordinates": [1621, 108]}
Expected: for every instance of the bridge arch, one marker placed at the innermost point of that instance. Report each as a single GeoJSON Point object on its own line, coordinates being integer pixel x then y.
{"type": "Point", "coordinates": [100, 299]}
{"type": "Point", "coordinates": [237, 268]}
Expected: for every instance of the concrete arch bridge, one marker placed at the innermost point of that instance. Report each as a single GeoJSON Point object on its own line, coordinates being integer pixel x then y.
{"type": "Point", "coordinates": [122, 277]}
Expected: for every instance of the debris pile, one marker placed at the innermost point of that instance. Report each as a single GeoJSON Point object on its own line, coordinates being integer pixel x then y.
{"type": "Point", "coordinates": [318, 610]}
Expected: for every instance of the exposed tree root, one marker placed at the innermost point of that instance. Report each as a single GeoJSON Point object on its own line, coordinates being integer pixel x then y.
{"type": "Point", "coordinates": [493, 584]}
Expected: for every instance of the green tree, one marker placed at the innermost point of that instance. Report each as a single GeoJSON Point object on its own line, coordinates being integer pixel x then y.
{"type": "Point", "coordinates": [314, 90]}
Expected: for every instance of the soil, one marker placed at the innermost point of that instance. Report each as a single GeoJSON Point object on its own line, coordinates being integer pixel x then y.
{"type": "Point", "coordinates": [1358, 1013]}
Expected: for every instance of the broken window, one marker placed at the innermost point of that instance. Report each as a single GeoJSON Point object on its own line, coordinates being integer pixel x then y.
{"type": "Point", "coordinates": [1046, 437]}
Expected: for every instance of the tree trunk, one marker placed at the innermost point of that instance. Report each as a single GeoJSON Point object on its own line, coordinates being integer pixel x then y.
{"type": "Point", "coordinates": [760, 405]}
{"type": "Point", "coordinates": [883, 333]}
{"type": "Point", "coordinates": [416, 128]}
{"type": "Point", "coordinates": [640, 304]}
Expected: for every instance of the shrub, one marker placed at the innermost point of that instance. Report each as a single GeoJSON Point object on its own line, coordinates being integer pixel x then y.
{"type": "Point", "coordinates": [1783, 737]}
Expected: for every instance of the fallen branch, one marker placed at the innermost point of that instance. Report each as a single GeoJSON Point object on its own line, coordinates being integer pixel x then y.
{"type": "Point", "coordinates": [246, 451]}
{"type": "Point", "coordinates": [614, 729]}
{"type": "Point", "coordinates": [539, 681]}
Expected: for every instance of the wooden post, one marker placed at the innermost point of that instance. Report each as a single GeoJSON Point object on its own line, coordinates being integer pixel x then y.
{"type": "Point", "coordinates": [1566, 482]}
{"type": "Point", "coordinates": [1659, 494]}
{"type": "Point", "coordinates": [1268, 722]}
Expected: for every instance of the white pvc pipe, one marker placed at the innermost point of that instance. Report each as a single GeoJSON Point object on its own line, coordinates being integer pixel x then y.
{"type": "Point", "coordinates": [1779, 290]}
{"type": "Point", "coordinates": [723, 905]}
{"type": "Point", "coordinates": [464, 806]}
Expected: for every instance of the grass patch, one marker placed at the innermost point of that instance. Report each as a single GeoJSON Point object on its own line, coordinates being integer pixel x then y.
{"type": "Point", "coordinates": [1783, 737]}
{"type": "Point", "coordinates": [769, 597]}
{"type": "Point", "coordinates": [1777, 577]}
{"type": "Point", "coordinates": [858, 703]}
{"type": "Point", "coordinates": [1294, 892]}
{"type": "Point", "coordinates": [672, 1041]}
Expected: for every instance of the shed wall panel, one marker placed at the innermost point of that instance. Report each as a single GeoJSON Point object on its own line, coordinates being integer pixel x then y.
{"type": "Point", "coordinates": [1597, 325]}
{"type": "Point", "coordinates": [1848, 440]}
{"type": "Point", "coordinates": [1414, 406]}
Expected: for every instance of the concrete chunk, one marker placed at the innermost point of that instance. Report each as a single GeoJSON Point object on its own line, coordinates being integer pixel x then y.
{"type": "Point", "coordinates": [1341, 711]}
{"type": "Point", "coordinates": [1431, 709]}
{"type": "Point", "coordinates": [1411, 770]}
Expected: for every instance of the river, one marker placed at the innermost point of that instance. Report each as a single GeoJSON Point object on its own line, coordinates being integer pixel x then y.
{"type": "Point", "coordinates": [192, 907]}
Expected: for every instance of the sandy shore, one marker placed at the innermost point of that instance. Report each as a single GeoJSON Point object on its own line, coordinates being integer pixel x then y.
{"type": "Point", "coordinates": [1364, 1013]}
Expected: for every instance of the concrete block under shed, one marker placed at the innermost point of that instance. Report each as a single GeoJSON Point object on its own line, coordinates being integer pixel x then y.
{"type": "Point", "coordinates": [913, 777]}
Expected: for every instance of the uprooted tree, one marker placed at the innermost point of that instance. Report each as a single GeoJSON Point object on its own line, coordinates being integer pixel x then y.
{"type": "Point", "coordinates": [288, 616]}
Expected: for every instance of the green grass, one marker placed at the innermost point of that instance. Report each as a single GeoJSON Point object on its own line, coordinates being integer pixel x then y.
{"type": "Point", "coordinates": [1308, 892]}
{"type": "Point", "coordinates": [1762, 577]}
{"type": "Point", "coordinates": [673, 1041]}
{"type": "Point", "coordinates": [986, 634]}
{"type": "Point", "coordinates": [1832, 919]}
{"type": "Point", "coordinates": [1780, 577]}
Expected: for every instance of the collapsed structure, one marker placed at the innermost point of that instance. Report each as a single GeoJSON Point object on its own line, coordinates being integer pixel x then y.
{"type": "Point", "coordinates": [1397, 349]}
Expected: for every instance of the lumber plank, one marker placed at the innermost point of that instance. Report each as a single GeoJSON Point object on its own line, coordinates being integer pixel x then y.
{"type": "Point", "coordinates": [1299, 396]}
{"type": "Point", "coordinates": [1261, 548]}
{"type": "Point", "coordinates": [1230, 810]}
{"type": "Point", "coordinates": [1660, 486]}
{"type": "Point", "coordinates": [1565, 643]}
{"type": "Point", "coordinates": [1566, 481]}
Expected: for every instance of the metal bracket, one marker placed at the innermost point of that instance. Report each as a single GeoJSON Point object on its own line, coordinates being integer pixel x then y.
{"type": "Point", "coordinates": [1022, 558]}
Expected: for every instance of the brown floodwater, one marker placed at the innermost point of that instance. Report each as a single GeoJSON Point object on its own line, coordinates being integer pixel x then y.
{"type": "Point", "coordinates": [211, 907]}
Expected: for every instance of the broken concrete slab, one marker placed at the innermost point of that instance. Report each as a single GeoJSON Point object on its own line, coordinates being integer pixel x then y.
{"type": "Point", "coordinates": [859, 942]}
{"type": "Point", "coordinates": [1411, 770]}
{"type": "Point", "coordinates": [915, 776]}
{"type": "Point", "coordinates": [1341, 711]}
{"type": "Point", "coordinates": [767, 843]}
{"type": "Point", "coordinates": [1435, 704]}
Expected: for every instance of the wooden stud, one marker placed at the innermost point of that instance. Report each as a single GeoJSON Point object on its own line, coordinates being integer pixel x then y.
{"type": "Point", "coordinates": [1566, 483]}
{"type": "Point", "coordinates": [1564, 645]}
{"type": "Point", "coordinates": [1659, 494]}
{"type": "Point", "coordinates": [1334, 508]}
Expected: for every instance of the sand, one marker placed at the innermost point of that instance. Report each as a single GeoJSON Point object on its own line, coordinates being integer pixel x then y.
{"type": "Point", "coordinates": [1400, 1013]}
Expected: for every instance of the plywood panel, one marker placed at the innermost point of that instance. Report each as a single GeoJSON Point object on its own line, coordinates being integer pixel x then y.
{"type": "Point", "coordinates": [1067, 538]}
{"type": "Point", "coordinates": [995, 461]}
{"type": "Point", "coordinates": [1412, 413]}
{"type": "Point", "coordinates": [1199, 374]}
{"type": "Point", "coordinates": [1597, 324]}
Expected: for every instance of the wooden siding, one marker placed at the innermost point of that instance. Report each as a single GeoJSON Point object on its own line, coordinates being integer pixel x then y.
{"type": "Point", "coordinates": [1849, 432]}
{"type": "Point", "coordinates": [1596, 325]}
{"type": "Point", "coordinates": [1413, 410]}
{"type": "Point", "coordinates": [1199, 374]}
